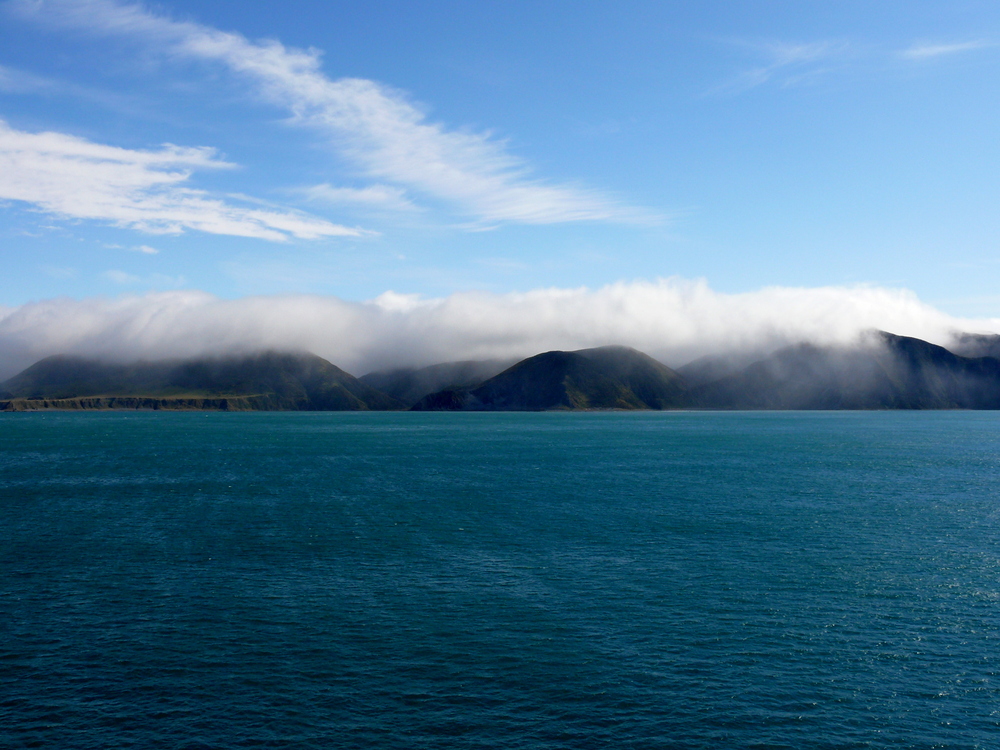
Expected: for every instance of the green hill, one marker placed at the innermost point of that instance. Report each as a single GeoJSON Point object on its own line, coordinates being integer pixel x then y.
{"type": "Point", "coordinates": [265, 380]}
{"type": "Point", "coordinates": [889, 372]}
{"type": "Point", "coordinates": [610, 377]}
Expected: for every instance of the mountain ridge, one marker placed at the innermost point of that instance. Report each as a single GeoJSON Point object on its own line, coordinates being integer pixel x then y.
{"type": "Point", "coordinates": [274, 381]}
{"type": "Point", "coordinates": [882, 371]}
{"type": "Point", "coordinates": [887, 372]}
{"type": "Point", "coordinates": [610, 377]}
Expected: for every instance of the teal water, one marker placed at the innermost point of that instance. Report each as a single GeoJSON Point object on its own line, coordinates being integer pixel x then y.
{"type": "Point", "coordinates": [631, 580]}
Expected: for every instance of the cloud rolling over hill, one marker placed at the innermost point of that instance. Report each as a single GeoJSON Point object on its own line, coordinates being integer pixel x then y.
{"type": "Point", "coordinates": [674, 320]}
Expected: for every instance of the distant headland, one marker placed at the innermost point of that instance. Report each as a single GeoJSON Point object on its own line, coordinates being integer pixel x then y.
{"type": "Point", "coordinates": [884, 371]}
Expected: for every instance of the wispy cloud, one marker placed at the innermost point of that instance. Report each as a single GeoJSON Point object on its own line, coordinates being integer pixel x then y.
{"type": "Point", "coordinates": [156, 280]}
{"type": "Point", "coordinates": [72, 177]}
{"type": "Point", "coordinates": [58, 272]}
{"type": "Point", "coordinates": [376, 127]}
{"type": "Point", "coordinates": [925, 51]}
{"type": "Point", "coordinates": [14, 81]}
{"type": "Point", "coordinates": [121, 277]}
{"type": "Point", "coordinates": [786, 64]}
{"type": "Point", "coordinates": [384, 197]}
{"type": "Point", "coordinates": [144, 249]}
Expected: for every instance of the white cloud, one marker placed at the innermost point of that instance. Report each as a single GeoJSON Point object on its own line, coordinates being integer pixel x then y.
{"type": "Point", "coordinates": [120, 277]}
{"type": "Point", "coordinates": [13, 81]}
{"type": "Point", "coordinates": [672, 319]}
{"type": "Point", "coordinates": [145, 250]}
{"type": "Point", "coordinates": [75, 178]}
{"type": "Point", "coordinates": [385, 135]}
{"type": "Point", "coordinates": [374, 196]}
{"type": "Point", "coordinates": [58, 272]}
{"type": "Point", "coordinates": [927, 51]}
{"type": "Point", "coordinates": [155, 280]}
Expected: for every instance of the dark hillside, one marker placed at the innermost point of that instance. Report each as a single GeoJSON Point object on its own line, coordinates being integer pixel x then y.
{"type": "Point", "coordinates": [889, 372]}
{"type": "Point", "coordinates": [276, 380]}
{"type": "Point", "coordinates": [611, 377]}
{"type": "Point", "coordinates": [410, 384]}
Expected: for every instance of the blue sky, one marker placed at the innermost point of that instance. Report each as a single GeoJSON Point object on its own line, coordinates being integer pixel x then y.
{"type": "Point", "coordinates": [434, 148]}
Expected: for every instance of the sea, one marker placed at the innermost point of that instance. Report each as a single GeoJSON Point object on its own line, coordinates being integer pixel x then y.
{"type": "Point", "coordinates": [500, 580]}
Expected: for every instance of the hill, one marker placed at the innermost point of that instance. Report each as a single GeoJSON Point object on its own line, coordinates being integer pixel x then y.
{"type": "Point", "coordinates": [714, 367]}
{"type": "Point", "coordinates": [410, 384]}
{"type": "Point", "coordinates": [886, 372]}
{"type": "Point", "coordinates": [265, 380]}
{"type": "Point", "coordinates": [610, 377]}
{"type": "Point", "coordinates": [976, 345]}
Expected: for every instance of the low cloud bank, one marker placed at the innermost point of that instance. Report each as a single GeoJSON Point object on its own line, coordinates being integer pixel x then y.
{"type": "Point", "coordinates": [674, 320]}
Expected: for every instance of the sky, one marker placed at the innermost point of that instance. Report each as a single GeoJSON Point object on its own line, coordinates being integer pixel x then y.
{"type": "Point", "coordinates": [384, 157]}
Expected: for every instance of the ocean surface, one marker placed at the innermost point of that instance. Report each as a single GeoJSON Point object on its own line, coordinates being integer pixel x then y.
{"type": "Point", "coordinates": [552, 580]}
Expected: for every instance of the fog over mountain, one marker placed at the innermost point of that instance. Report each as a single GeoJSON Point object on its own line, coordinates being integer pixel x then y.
{"type": "Point", "coordinates": [674, 320]}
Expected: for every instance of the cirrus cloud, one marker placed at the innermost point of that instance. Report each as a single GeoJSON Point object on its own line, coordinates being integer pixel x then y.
{"type": "Point", "coordinates": [374, 126]}
{"type": "Point", "coordinates": [75, 178]}
{"type": "Point", "coordinates": [927, 51]}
